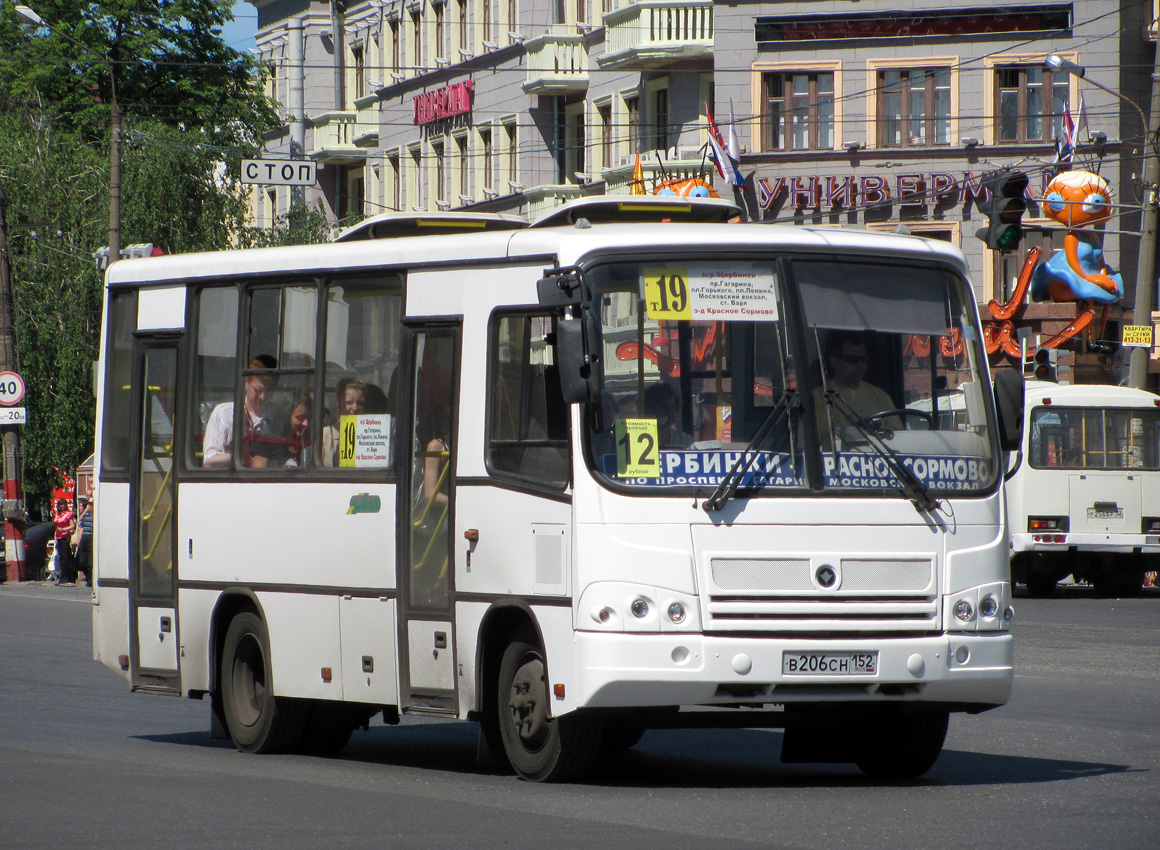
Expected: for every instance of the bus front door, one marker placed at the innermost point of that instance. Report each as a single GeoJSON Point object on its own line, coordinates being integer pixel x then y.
{"type": "Point", "coordinates": [153, 635]}
{"type": "Point", "coordinates": [425, 559]}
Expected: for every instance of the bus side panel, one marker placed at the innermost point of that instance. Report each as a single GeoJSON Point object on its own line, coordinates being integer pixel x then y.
{"type": "Point", "coordinates": [299, 654]}
{"type": "Point", "coordinates": [330, 535]}
{"type": "Point", "coordinates": [512, 555]}
{"type": "Point", "coordinates": [111, 609]}
{"type": "Point", "coordinates": [369, 635]}
{"type": "Point", "coordinates": [1150, 495]}
{"type": "Point", "coordinates": [194, 609]}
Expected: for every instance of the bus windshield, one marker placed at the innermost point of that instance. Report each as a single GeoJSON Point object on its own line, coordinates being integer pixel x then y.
{"type": "Point", "coordinates": [789, 374]}
{"type": "Point", "coordinates": [1094, 438]}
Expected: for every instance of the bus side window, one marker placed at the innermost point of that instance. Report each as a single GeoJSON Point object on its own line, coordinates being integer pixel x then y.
{"type": "Point", "coordinates": [359, 380]}
{"type": "Point", "coordinates": [215, 363]}
{"type": "Point", "coordinates": [527, 416]}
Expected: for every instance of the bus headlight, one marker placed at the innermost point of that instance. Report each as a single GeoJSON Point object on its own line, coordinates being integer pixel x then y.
{"type": "Point", "coordinates": [639, 608]}
{"type": "Point", "coordinates": [677, 613]}
{"type": "Point", "coordinates": [964, 610]}
{"type": "Point", "coordinates": [989, 607]}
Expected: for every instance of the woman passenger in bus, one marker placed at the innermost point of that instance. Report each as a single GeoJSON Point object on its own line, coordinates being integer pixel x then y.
{"type": "Point", "coordinates": [349, 399]}
{"type": "Point", "coordinates": [218, 443]}
{"type": "Point", "coordinates": [291, 447]}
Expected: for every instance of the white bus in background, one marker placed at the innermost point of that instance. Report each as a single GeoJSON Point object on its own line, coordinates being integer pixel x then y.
{"type": "Point", "coordinates": [1085, 500]}
{"type": "Point", "coordinates": [570, 481]}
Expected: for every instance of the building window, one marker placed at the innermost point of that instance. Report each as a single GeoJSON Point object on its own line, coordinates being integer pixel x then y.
{"type": "Point", "coordinates": [417, 44]}
{"type": "Point", "coordinates": [914, 107]}
{"type": "Point", "coordinates": [799, 111]}
{"type": "Point", "coordinates": [463, 45]}
{"type": "Point", "coordinates": [415, 184]}
{"type": "Point", "coordinates": [512, 154]}
{"type": "Point", "coordinates": [440, 34]}
{"type": "Point", "coordinates": [396, 196]}
{"type": "Point", "coordinates": [574, 142]}
{"type": "Point", "coordinates": [604, 119]}
{"type": "Point", "coordinates": [487, 177]}
{"type": "Point", "coordinates": [632, 119]}
{"type": "Point", "coordinates": [1031, 103]}
{"type": "Point", "coordinates": [513, 19]}
{"type": "Point", "coordinates": [464, 171]}
{"type": "Point", "coordinates": [358, 72]}
{"type": "Point", "coordinates": [485, 24]}
{"type": "Point", "coordinates": [660, 124]}
{"type": "Point", "coordinates": [396, 48]}
{"type": "Point", "coordinates": [440, 172]}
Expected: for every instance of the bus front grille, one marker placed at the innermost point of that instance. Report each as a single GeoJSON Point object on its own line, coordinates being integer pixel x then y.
{"type": "Point", "coordinates": [823, 595]}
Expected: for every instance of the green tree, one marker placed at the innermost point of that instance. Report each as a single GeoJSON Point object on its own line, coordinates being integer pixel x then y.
{"type": "Point", "coordinates": [193, 109]}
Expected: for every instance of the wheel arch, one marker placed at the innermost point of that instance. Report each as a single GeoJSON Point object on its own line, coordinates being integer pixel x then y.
{"type": "Point", "coordinates": [231, 603]}
{"type": "Point", "coordinates": [502, 620]}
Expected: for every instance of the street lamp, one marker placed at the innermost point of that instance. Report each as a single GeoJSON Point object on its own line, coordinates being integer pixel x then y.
{"type": "Point", "coordinates": [1150, 218]}
{"type": "Point", "coordinates": [32, 17]}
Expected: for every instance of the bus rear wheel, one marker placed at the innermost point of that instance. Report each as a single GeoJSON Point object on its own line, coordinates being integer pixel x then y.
{"type": "Point", "coordinates": [540, 748]}
{"type": "Point", "coordinates": [258, 722]}
{"type": "Point", "coordinates": [901, 746]}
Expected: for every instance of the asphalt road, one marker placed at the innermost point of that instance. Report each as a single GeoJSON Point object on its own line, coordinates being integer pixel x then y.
{"type": "Point", "coordinates": [1072, 762]}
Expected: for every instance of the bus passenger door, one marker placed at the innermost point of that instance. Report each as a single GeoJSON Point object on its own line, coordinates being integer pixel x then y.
{"type": "Point", "coordinates": [427, 666]}
{"type": "Point", "coordinates": [153, 638]}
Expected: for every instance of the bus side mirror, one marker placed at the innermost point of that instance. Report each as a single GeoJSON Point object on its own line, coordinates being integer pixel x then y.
{"type": "Point", "coordinates": [559, 288]}
{"type": "Point", "coordinates": [1009, 407]}
{"type": "Point", "coordinates": [577, 357]}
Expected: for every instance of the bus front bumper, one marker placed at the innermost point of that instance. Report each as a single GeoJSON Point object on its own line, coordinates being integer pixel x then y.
{"type": "Point", "coordinates": [620, 670]}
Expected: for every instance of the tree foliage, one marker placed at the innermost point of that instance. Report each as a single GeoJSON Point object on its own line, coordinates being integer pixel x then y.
{"type": "Point", "coordinates": [193, 109]}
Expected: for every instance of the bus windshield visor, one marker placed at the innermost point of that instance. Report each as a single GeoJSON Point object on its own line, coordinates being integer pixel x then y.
{"type": "Point", "coordinates": [794, 374]}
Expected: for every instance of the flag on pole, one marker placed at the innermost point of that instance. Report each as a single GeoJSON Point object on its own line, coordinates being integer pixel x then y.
{"type": "Point", "coordinates": [637, 185]}
{"type": "Point", "coordinates": [1071, 130]}
{"type": "Point", "coordinates": [726, 165]}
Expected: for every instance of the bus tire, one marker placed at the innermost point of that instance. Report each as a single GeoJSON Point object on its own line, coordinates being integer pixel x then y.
{"type": "Point", "coordinates": [1040, 586]}
{"type": "Point", "coordinates": [328, 728]}
{"type": "Point", "coordinates": [539, 748]}
{"type": "Point", "coordinates": [258, 722]}
{"type": "Point", "coordinates": [901, 746]}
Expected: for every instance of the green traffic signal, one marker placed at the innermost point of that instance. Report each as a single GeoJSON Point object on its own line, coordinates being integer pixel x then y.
{"type": "Point", "coordinates": [1004, 209]}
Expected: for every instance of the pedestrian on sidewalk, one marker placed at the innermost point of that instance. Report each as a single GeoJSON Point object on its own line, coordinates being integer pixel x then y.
{"type": "Point", "coordinates": [85, 542]}
{"type": "Point", "coordinates": [65, 522]}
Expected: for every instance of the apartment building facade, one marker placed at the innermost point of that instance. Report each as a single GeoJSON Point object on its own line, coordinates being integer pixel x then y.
{"type": "Point", "coordinates": [848, 112]}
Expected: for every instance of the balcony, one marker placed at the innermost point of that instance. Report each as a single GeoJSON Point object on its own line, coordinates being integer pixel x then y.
{"type": "Point", "coordinates": [689, 162]}
{"type": "Point", "coordinates": [334, 138]}
{"type": "Point", "coordinates": [557, 64]}
{"type": "Point", "coordinates": [544, 199]}
{"type": "Point", "coordinates": [366, 132]}
{"type": "Point", "coordinates": [658, 32]}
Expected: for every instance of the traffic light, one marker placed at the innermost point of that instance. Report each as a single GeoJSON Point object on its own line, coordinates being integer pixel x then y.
{"type": "Point", "coordinates": [1004, 209]}
{"type": "Point", "coordinates": [1046, 360]}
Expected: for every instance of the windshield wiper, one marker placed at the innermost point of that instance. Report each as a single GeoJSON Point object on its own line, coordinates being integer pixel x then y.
{"type": "Point", "coordinates": [910, 487]}
{"type": "Point", "coordinates": [733, 478]}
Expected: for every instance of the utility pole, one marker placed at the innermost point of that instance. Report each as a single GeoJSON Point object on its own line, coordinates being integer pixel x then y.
{"type": "Point", "coordinates": [1149, 225]}
{"type": "Point", "coordinates": [13, 487]}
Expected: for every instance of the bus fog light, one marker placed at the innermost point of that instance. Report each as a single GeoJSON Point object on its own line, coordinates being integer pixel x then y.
{"type": "Point", "coordinates": [603, 615]}
{"type": "Point", "coordinates": [964, 611]}
{"type": "Point", "coordinates": [989, 606]}
{"type": "Point", "coordinates": [962, 655]}
{"type": "Point", "coordinates": [639, 608]}
{"type": "Point", "coordinates": [677, 612]}
{"type": "Point", "coordinates": [1008, 614]}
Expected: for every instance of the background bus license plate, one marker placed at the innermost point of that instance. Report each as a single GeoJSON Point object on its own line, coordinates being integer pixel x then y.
{"type": "Point", "coordinates": [829, 663]}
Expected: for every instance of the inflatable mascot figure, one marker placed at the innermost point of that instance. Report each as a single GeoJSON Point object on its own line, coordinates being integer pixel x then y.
{"type": "Point", "coordinates": [1078, 272]}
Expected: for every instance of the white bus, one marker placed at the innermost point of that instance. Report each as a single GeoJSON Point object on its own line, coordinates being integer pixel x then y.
{"type": "Point", "coordinates": [571, 481]}
{"type": "Point", "coordinates": [1085, 499]}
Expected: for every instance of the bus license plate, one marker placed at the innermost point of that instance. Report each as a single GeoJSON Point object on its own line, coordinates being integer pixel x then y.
{"type": "Point", "coordinates": [829, 663]}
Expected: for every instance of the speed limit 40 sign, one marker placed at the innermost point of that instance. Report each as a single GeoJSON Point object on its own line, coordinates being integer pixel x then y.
{"type": "Point", "coordinates": [11, 388]}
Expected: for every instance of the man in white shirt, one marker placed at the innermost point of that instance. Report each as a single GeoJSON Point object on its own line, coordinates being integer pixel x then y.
{"type": "Point", "coordinates": [218, 443]}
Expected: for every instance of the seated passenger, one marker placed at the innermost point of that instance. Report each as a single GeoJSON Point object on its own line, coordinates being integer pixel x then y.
{"type": "Point", "coordinates": [290, 446]}
{"type": "Point", "coordinates": [349, 399]}
{"type": "Point", "coordinates": [218, 443]}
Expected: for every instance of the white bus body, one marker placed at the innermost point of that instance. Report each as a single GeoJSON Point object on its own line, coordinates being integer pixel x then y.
{"type": "Point", "coordinates": [567, 574]}
{"type": "Point", "coordinates": [1085, 500]}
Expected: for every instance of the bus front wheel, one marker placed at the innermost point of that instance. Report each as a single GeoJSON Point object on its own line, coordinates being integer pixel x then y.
{"type": "Point", "coordinates": [902, 746]}
{"type": "Point", "coordinates": [258, 722]}
{"type": "Point", "coordinates": [539, 747]}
